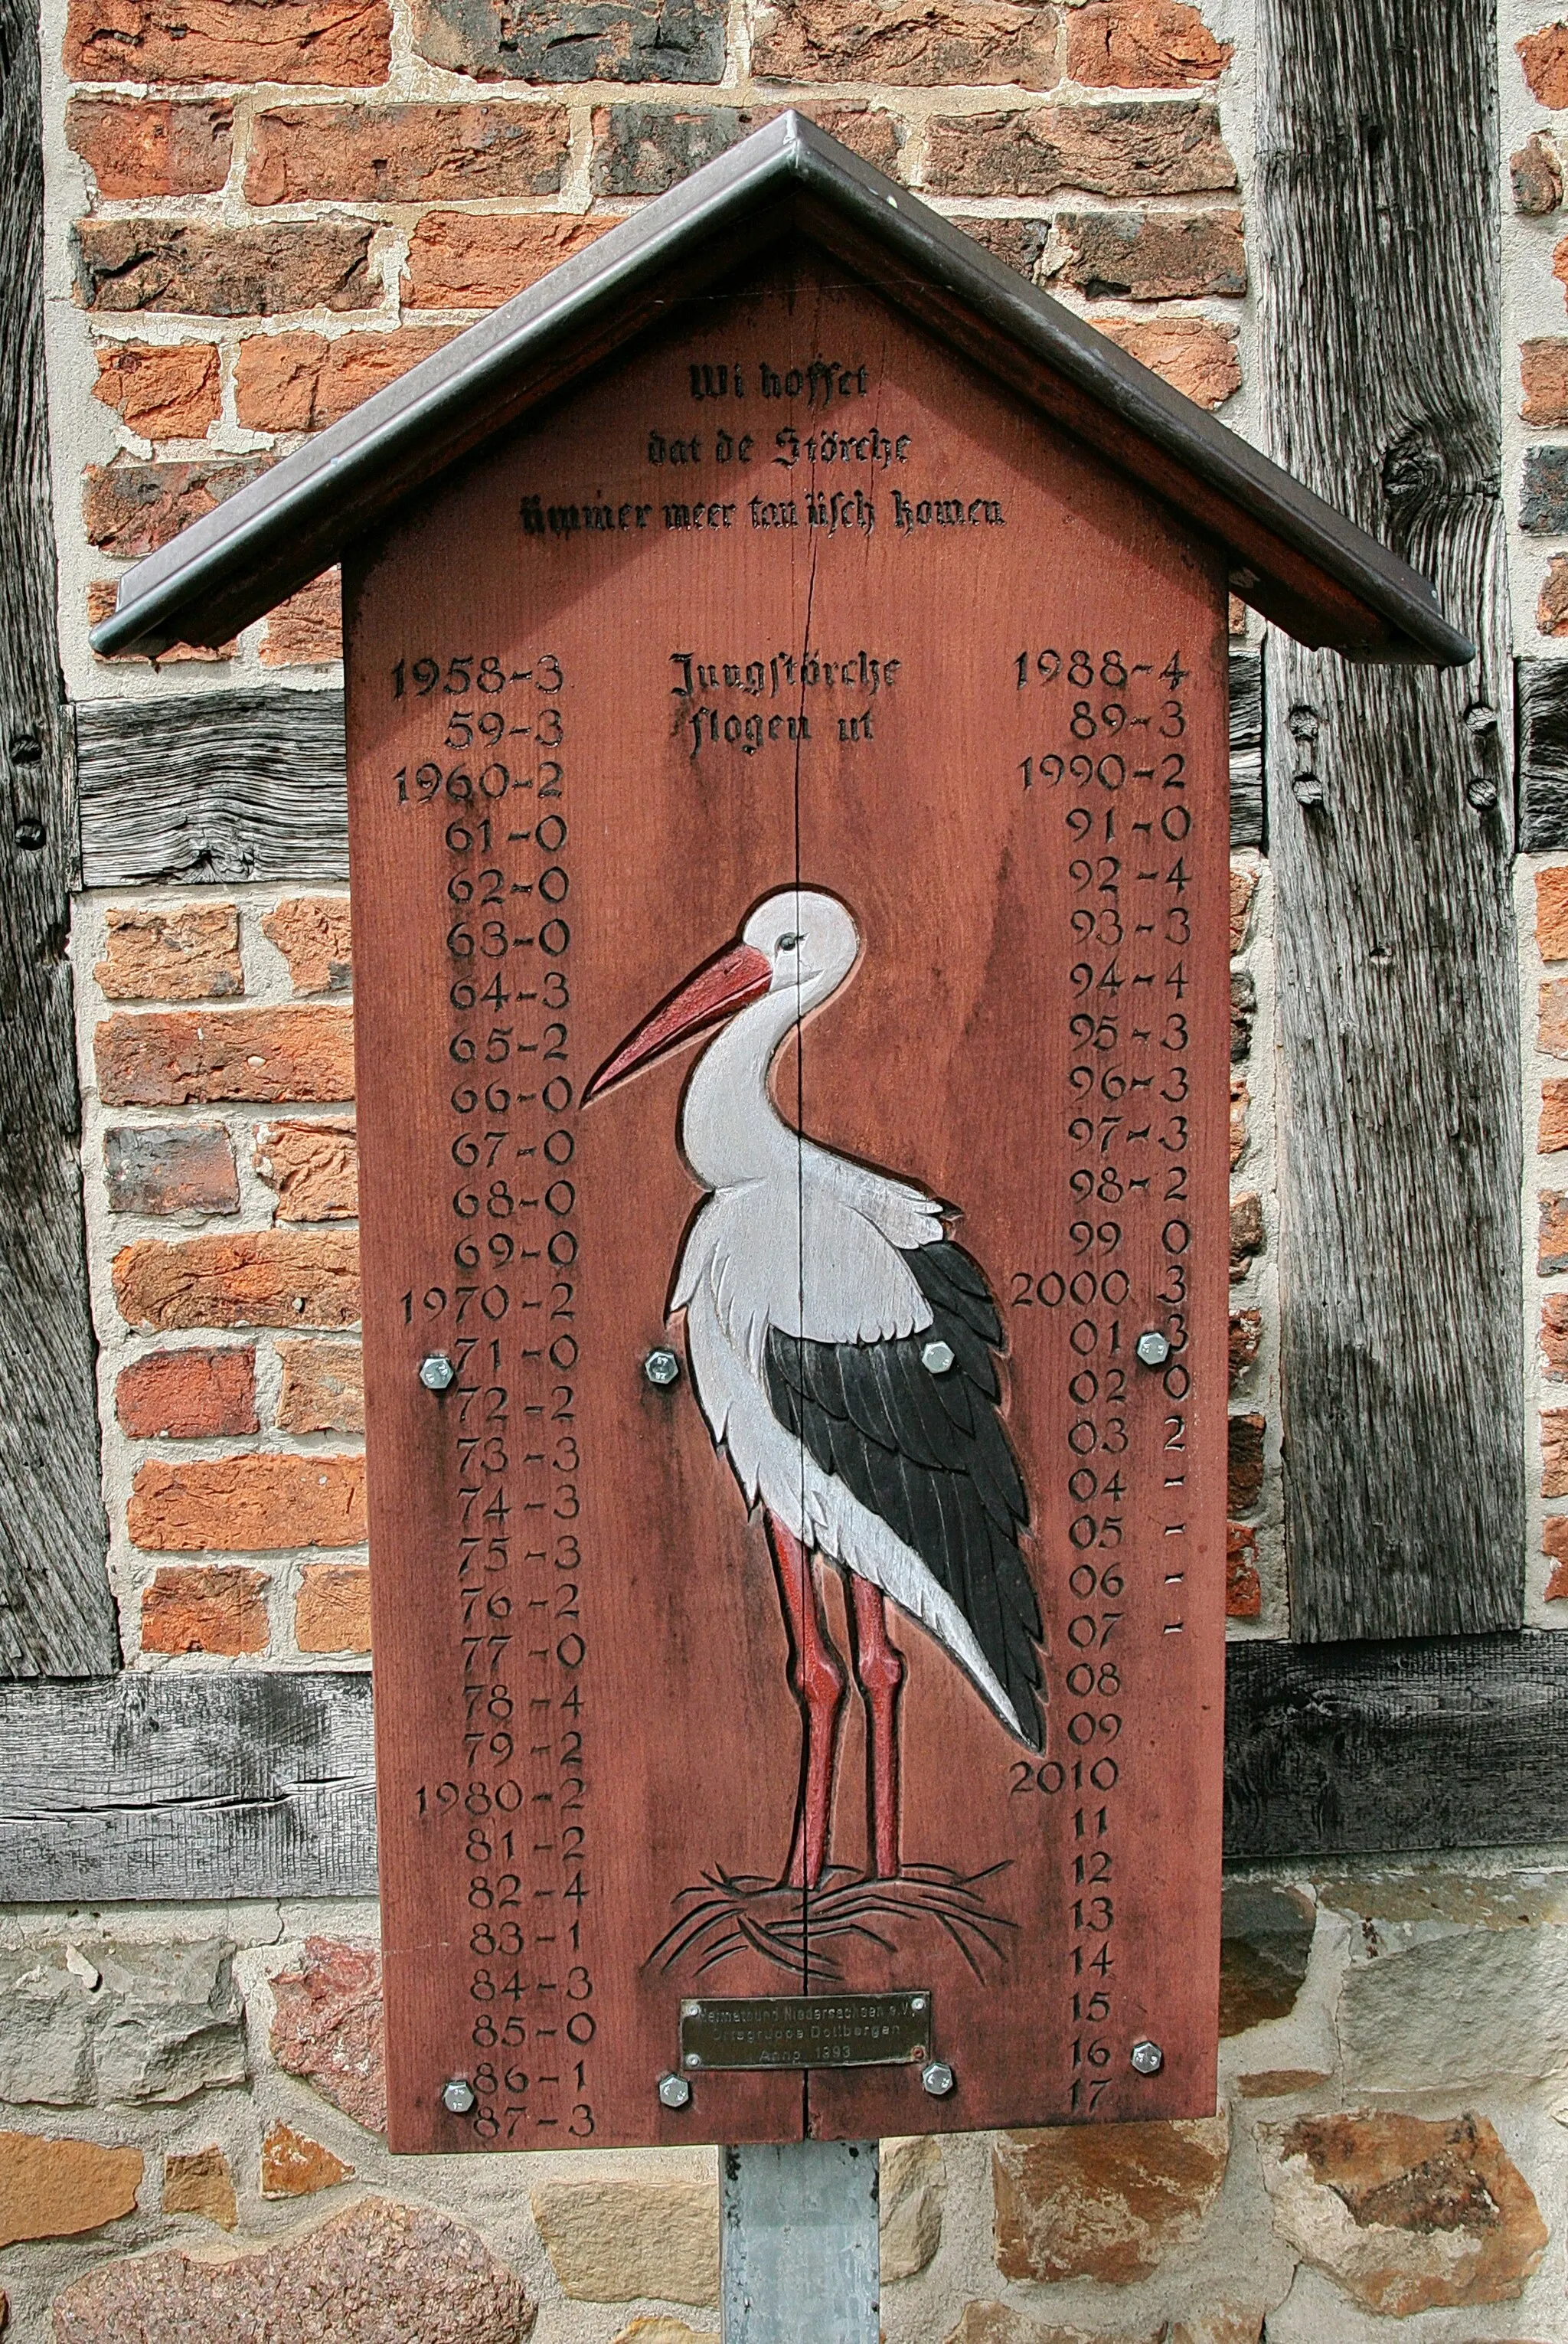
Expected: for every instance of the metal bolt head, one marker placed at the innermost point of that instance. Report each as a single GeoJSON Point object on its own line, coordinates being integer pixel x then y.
{"type": "Point", "coordinates": [691, 2010]}
{"type": "Point", "coordinates": [693, 2059]}
{"type": "Point", "coordinates": [674, 2092]}
{"type": "Point", "coordinates": [1147, 2057]}
{"type": "Point", "coordinates": [917, 2001]}
{"type": "Point", "coordinates": [937, 2077]}
{"type": "Point", "coordinates": [938, 1358]}
{"type": "Point", "coordinates": [437, 1373]}
{"type": "Point", "coordinates": [457, 2096]}
{"type": "Point", "coordinates": [1154, 1348]}
{"type": "Point", "coordinates": [661, 1368]}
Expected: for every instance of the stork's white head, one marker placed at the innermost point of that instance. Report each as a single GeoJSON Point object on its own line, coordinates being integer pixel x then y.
{"type": "Point", "coordinates": [809, 941]}
{"type": "Point", "coordinates": [798, 945]}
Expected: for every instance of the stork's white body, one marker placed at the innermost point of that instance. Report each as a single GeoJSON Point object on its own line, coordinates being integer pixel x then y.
{"type": "Point", "coordinates": [796, 1237]}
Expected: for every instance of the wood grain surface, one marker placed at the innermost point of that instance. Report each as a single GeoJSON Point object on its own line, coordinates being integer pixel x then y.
{"type": "Point", "coordinates": [1391, 835]}
{"type": "Point", "coordinates": [56, 1615]}
{"type": "Point", "coordinates": [218, 786]}
{"type": "Point", "coordinates": [860, 653]}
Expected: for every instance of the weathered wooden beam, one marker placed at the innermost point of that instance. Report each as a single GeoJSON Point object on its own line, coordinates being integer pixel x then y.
{"type": "Point", "coordinates": [1391, 835]}
{"type": "Point", "coordinates": [56, 1615]}
{"type": "Point", "coordinates": [1541, 704]}
{"type": "Point", "coordinates": [1423, 1742]}
{"type": "Point", "coordinates": [180, 1786]}
{"type": "Point", "coordinates": [251, 1784]}
{"type": "Point", "coordinates": [221, 786]}
{"type": "Point", "coordinates": [231, 785]}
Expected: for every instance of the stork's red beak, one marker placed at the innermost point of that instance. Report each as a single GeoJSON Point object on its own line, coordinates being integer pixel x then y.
{"type": "Point", "coordinates": [719, 988]}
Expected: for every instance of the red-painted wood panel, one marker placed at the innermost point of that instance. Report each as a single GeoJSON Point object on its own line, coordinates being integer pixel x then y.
{"type": "Point", "coordinates": [792, 603]}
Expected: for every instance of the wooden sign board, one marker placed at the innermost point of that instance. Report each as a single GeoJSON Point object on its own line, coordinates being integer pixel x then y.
{"type": "Point", "coordinates": [880, 1652]}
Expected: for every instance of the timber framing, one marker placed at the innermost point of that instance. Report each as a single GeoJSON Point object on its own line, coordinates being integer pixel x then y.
{"type": "Point", "coordinates": [175, 1787]}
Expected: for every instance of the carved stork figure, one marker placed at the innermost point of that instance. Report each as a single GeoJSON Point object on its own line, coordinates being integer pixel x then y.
{"type": "Point", "coordinates": [841, 1346]}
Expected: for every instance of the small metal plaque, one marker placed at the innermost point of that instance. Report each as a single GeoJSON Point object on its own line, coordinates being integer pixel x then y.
{"type": "Point", "coordinates": [806, 2030]}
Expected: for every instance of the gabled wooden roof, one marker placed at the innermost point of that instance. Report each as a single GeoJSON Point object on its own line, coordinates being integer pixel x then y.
{"type": "Point", "coordinates": [1291, 556]}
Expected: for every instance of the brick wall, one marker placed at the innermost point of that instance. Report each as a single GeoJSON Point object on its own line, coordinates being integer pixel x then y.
{"type": "Point", "coordinates": [269, 210]}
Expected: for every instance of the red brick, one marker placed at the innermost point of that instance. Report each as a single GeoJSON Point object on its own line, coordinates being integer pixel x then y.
{"type": "Point", "coordinates": [164, 391]}
{"type": "Point", "coordinates": [315, 935]}
{"type": "Point", "coordinates": [307, 630]}
{"type": "Point", "coordinates": [1535, 175]}
{"type": "Point", "coordinates": [1141, 44]}
{"type": "Point", "coordinates": [1554, 1452]}
{"type": "Point", "coordinates": [103, 597]}
{"type": "Point", "coordinates": [193, 1395]}
{"type": "Point", "coordinates": [1193, 355]}
{"type": "Point", "coordinates": [297, 382]}
{"type": "Point", "coordinates": [249, 1504]}
{"type": "Point", "coordinates": [332, 1609]}
{"type": "Point", "coordinates": [339, 43]}
{"type": "Point", "coordinates": [1244, 1588]}
{"type": "Point", "coordinates": [643, 149]}
{"type": "Point", "coordinates": [328, 2028]}
{"type": "Point", "coordinates": [323, 1388]}
{"type": "Point", "coordinates": [1552, 1038]}
{"type": "Point", "coordinates": [1153, 255]}
{"type": "Point", "coordinates": [1243, 887]}
{"type": "Point", "coordinates": [1553, 1134]}
{"type": "Point", "coordinates": [1245, 1466]}
{"type": "Point", "coordinates": [257, 1278]}
{"type": "Point", "coordinates": [1552, 602]}
{"type": "Point", "coordinates": [196, 270]}
{"type": "Point", "coordinates": [1552, 1253]}
{"type": "Point", "coordinates": [1017, 243]}
{"type": "Point", "coordinates": [1554, 1544]}
{"type": "Point", "coordinates": [1543, 380]}
{"type": "Point", "coordinates": [314, 1169]}
{"type": "Point", "coordinates": [1551, 911]}
{"type": "Point", "coordinates": [1544, 56]}
{"type": "Point", "coordinates": [214, 1608]}
{"type": "Point", "coordinates": [171, 1058]}
{"type": "Point", "coordinates": [1108, 151]}
{"type": "Point", "coordinates": [188, 954]}
{"type": "Point", "coordinates": [916, 44]}
{"type": "Point", "coordinates": [178, 1167]}
{"type": "Point", "coordinates": [153, 146]}
{"type": "Point", "coordinates": [1554, 1336]}
{"type": "Point", "coordinates": [131, 509]}
{"type": "Point", "coordinates": [418, 153]}
{"type": "Point", "coordinates": [1246, 1338]}
{"type": "Point", "coordinates": [471, 260]}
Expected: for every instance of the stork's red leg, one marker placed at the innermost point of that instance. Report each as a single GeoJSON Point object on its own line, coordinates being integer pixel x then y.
{"type": "Point", "coordinates": [817, 1682]}
{"type": "Point", "coordinates": [879, 1666]}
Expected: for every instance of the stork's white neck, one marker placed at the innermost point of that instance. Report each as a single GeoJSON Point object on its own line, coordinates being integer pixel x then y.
{"type": "Point", "coordinates": [730, 1130]}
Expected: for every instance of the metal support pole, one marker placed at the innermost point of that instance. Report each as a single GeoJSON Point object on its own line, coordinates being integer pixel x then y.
{"type": "Point", "coordinates": [801, 2260]}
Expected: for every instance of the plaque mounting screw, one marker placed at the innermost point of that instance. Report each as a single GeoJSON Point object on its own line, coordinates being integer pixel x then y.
{"type": "Point", "coordinates": [674, 2092]}
{"type": "Point", "coordinates": [937, 2077]}
{"type": "Point", "coordinates": [1154, 1348]}
{"type": "Point", "coordinates": [1147, 2057]}
{"type": "Point", "coordinates": [457, 2096]}
{"type": "Point", "coordinates": [917, 2001]}
{"type": "Point", "coordinates": [437, 1373]}
{"type": "Point", "coordinates": [661, 1368]}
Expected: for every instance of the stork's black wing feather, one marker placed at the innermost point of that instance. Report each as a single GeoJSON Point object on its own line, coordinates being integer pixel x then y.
{"type": "Point", "coordinates": [928, 1453]}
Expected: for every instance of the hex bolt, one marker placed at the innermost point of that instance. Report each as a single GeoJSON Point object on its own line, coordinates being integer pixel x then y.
{"type": "Point", "coordinates": [1147, 2057]}
{"type": "Point", "coordinates": [938, 1358]}
{"type": "Point", "coordinates": [674, 2092]}
{"type": "Point", "coordinates": [937, 2077]}
{"type": "Point", "coordinates": [1154, 1348]}
{"type": "Point", "coordinates": [457, 2096]}
{"type": "Point", "coordinates": [437, 1373]}
{"type": "Point", "coordinates": [661, 1368]}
